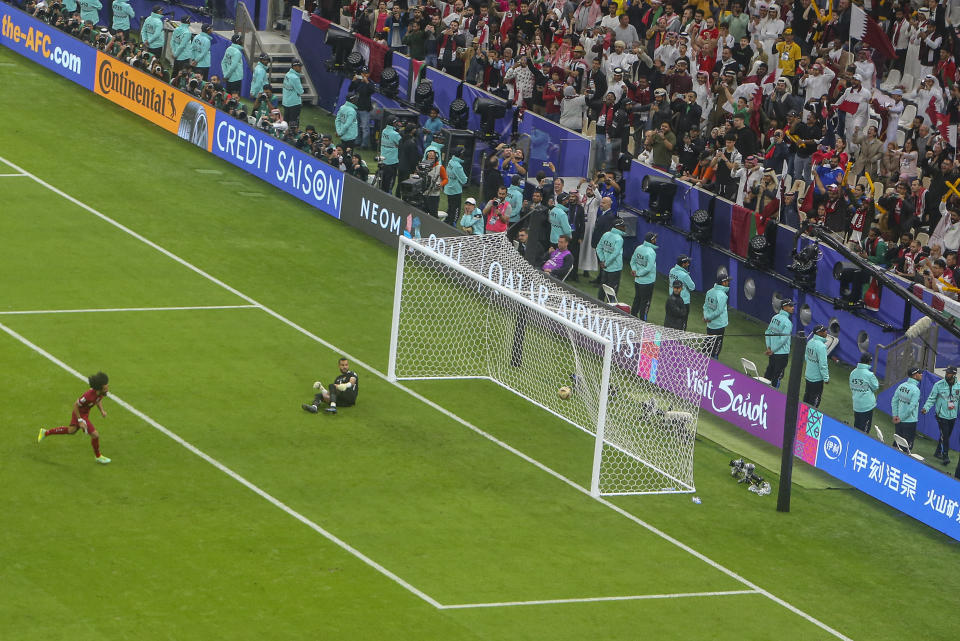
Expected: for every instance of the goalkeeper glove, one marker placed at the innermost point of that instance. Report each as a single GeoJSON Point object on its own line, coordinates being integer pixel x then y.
{"type": "Point", "coordinates": [343, 387]}
{"type": "Point", "coordinates": [318, 385]}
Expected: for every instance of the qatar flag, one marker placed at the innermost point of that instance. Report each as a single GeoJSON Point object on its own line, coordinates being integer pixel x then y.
{"type": "Point", "coordinates": [866, 29]}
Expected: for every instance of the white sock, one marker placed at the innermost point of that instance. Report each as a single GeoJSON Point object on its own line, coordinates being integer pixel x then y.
{"type": "Point", "coordinates": [332, 404]}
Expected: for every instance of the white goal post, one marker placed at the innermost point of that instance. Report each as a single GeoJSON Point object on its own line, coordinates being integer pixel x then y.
{"type": "Point", "coordinates": [471, 308]}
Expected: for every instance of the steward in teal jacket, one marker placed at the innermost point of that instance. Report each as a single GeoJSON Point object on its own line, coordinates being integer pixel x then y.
{"type": "Point", "coordinates": [643, 263]}
{"type": "Point", "coordinates": [346, 122]}
{"type": "Point", "coordinates": [816, 357]}
{"type": "Point", "coordinates": [715, 307]}
{"type": "Point", "coordinates": [864, 386]}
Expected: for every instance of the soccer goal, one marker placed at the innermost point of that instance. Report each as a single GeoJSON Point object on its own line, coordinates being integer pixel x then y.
{"type": "Point", "coordinates": [472, 308]}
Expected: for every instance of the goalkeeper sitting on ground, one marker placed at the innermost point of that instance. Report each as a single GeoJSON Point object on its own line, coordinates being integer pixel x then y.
{"type": "Point", "coordinates": [343, 390]}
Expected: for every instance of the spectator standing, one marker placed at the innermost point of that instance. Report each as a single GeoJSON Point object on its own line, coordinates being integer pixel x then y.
{"type": "Point", "coordinates": [200, 53]}
{"type": "Point", "coordinates": [676, 312]}
{"type": "Point", "coordinates": [944, 397]}
{"type": "Point", "coordinates": [346, 120]}
{"type": "Point", "coordinates": [664, 142]}
{"type": "Point", "coordinates": [777, 338]}
{"type": "Point", "coordinates": [573, 107]}
{"type": "Point", "coordinates": [122, 12]}
{"type": "Point", "coordinates": [610, 256]}
{"type": "Point", "coordinates": [864, 386]}
{"type": "Point", "coordinates": [905, 406]}
{"type": "Point", "coordinates": [436, 181]}
{"type": "Point", "coordinates": [715, 312]}
{"type": "Point", "coordinates": [151, 34]}
{"type": "Point", "coordinates": [232, 65]}
{"type": "Point", "coordinates": [389, 154]}
{"type": "Point", "coordinates": [591, 206]}
{"type": "Point", "coordinates": [643, 265]}
{"type": "Point", "coordinates": [415, 40]}
{"type": "Point", "coordinates": [364, 89]}
{"type": "Point", "coordinates": [818, 371]}
{"type": "Point", "coordinates": [456, 179]}
{"type": "Point", "coordinates": [472, 219]}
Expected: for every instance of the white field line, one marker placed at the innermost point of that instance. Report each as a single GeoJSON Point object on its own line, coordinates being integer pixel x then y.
{"type": "Point", "coordinates": [226, 470]}
{"type": "Point", "coordinates": [14, 176]}
{"type": "Point", "coordinates": [123, 309]}
{"type": "Point", "coordinates": [440, 408]}
{"type": "Point", "coordinates": [635, 597]}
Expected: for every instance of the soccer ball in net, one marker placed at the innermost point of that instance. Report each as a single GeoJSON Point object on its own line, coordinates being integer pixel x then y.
{"type": "Point", "coordinates": [565, 392]}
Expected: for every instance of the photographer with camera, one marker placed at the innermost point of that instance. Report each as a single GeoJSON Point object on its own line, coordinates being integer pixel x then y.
{"type": "Point", "coordinates": [358, 168]}
{"type": "Point", "coordinates": [364, 89]}
{"type": "Point", "coordinates": [497, 212]}
{"type": "Point", "coordinates": [151, 32]}
{"type": "Point", "coordinates": [389, 153]}
{"type": "Point", "coordinates": [274, 123]}
{"type": "Point", "coordinates": [436, 178]}
{"type": "Point", "coordinates": [122, 12]}
{"type": "Point", "coordinates": [260, 73]}
{"type": "Point", "coordinates": [456, 179]}
{"type": "Point", "coordinates": [472, 219]}
{"type": "Point", "coordinates": [232, 64]}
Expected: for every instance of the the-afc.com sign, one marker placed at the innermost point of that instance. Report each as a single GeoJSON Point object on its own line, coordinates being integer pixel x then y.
{"type": "Point", "coordinates": [154, 100]}
{"type": "Point", "coordinates": [48, 46]}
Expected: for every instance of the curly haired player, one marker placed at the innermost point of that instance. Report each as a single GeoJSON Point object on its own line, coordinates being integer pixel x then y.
{"type": "Point", "coordinates": [343, 390]}
{"type": "Point", "coordinates": [81, 411]}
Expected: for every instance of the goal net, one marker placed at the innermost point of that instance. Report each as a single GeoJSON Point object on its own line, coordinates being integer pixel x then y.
{"type": "Point", "coordinates": [472, 307]}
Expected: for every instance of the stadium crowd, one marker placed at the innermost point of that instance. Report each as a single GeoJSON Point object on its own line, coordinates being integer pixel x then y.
{"type": "Point", "coordinates": [801, 112]}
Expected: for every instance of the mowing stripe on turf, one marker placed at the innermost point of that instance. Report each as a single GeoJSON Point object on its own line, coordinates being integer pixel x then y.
{"type": "Point", "coordinates": [124, 309]}
{"type": "Point", "coordinates": [437, 407]}
{"type": "Point", "coordinates": [226, 470]}
{"type": "Point", "coordinates": [635, 597]}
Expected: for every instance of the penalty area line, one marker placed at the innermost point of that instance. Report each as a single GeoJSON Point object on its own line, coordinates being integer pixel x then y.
{"type": "Point", "coordinates": [439, 408]}
{"type": "Point", "coordinates": [226, 470]}
{"type": "Point", "coordinates": [633, 597]}
{"type": "Point", "coordinates": [123, 309]}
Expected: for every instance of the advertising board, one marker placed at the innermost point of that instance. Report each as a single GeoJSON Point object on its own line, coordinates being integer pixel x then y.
{"type": "Point", "coordinates": [48, 46]}
{"type": "Point", "coordinates": [154, 100]}
{"type": "Point", "coordinates": [273, 161]}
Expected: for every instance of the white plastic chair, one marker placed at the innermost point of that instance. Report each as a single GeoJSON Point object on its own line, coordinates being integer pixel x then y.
{"type": "Point", "coordinates": [901, 136]}
{"type": "Point", "coordinates": [893, 79]}
{"type": "Point", "coordinates": [750, 369]}
{"type": "Point", "coordinates": [611, 298]}
{"type": "Point", "coordinates": [909, 113]}
{"type": "Point", "coordinates": [904, 447]}
{"type": "Point", "coordinates": [907, 82]}
{"type": "Point", "coordinates": [923, 238]}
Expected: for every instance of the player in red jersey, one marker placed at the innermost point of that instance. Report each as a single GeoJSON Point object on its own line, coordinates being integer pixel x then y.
{"type": "Point", "coordinates": [81, 411]}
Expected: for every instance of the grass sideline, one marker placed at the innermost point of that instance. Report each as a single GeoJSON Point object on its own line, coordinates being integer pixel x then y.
{"type": "Point", "coordinates": [170, 548]}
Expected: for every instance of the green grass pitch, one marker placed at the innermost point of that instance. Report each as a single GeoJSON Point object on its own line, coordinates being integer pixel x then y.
{"type": "Point", "coordinates": [368, 525]}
